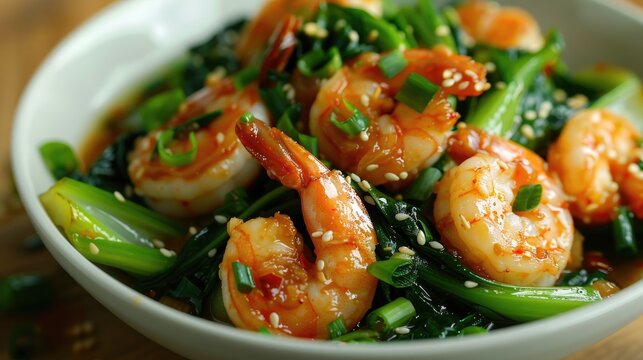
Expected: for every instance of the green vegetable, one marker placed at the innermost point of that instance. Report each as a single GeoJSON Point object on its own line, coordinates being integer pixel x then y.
{"type": "Point", "coordinates": [429, 26]}
{"type": "Point", "coordinates": [392, 315]}
{"type": "Point", "coordinates": [416, 92]}
{"type": "Point", "coordinates": [320, 63]}
{"type": "Point", "coordinates": [392, 63]}
{"type": "Point", "coordinates": [336, 328]}
{"type": "Point", "coordinates": [360, 336]}
{"type": "Point", "coordinates": [243, 277]}
{"type": "Point", "coordinates": [286, 125]}
{"type": "Point", "coordinates": [355, 124]}
{"type": "Point", "coordinates": [580, 278]}
{"type": "Point", "coordinates": [175, 159]}
{"type": "Point", "coordinates": [21, 293]}
{"type": "Point", "coordinates": [160, 108]}
{"type": "Point", "coordinates": [473, 330]}
{"type": "Point", "coordinates": [59, 159]}
{"type": "Point", "coordinates": [245, 77]}
{"type": "Point", "coordinates": [497, 108]}
{"type": "Point", "coordinates": [422, 187]}
{"type": "Point", "coordinates": [394, 271]}
{"type": "Point", "coordinates": [624, 238]}
{"type": "Point", "coordinates": [528, 197]}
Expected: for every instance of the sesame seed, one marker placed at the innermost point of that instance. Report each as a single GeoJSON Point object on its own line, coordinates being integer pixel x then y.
{"type": "Point", "coordinates": [341, 23]}
{"type": "Point", "coordinates": [527, 131]}
{"type": "Point", "coordinates": [463, 85]}
{"type": "Point", "coordinates": [491, 67]}
{"type": "Point", "coordinates": [592, 207]}
{"type": "Point", "coordinates": [447, 74]}
{"type": "Point", "coordinates": [353, 36]}
{"type": "Point", "coordinates": [167, 253]}
{"type": "Point", "coordinates": [402, 330]}
{"type": "Point", "coordinates": [612, 154]}
{"type": "Point", "coordinates": [481, 86]}
{"type": "Point", "coordinates": [220, 137]}
{"type": "Point", "coordinates": [158, 243]}
{"type": "Point", "coordinates": [461, 125]}
{"type": "Point", "coordinates": [348, 179]}
{"type": "Point", "coordinates": [220, 219]}
{"type": "Point", "coordinates": [406, 250]}
{"type": "Point", "coordinates": [388, 248]}
{"type": "Point", "coordinates": [633, 168]}
{"type": "Point", "coordinates": [372, 167]}
{"type": "Point", "coordinates": [274, 319]}
{"type": "Point", "coordinates": [448, 83]}
{"type": "Point", "coordinates": [486, 86]}
{"type": "Point", "coordinates": [442, 30]}
{"type": "Point", "coordinates": [404, 175]}
{"type": "Point", "coordinates": [365, 100]}
{"type": "Point", "coordinates": [192, 230]}
{"type": "Point", "coordinates": [457, 76]}
{"type": "Point", "coordinates": [470, 284]}
{"type": "Point", "coordinates": [401, 216]}
{"type": "Point", "coordinates": [501, 85]}
{"type": "Point", "coordinates": [421, 238]}
{"type": "Point", "coordinates": [365, 185]}
{"type": "Point", "coordinates": [310, 28]}
{"type": "Point", "coordinates": [391, 177]}
{"type": "Point", "coordinates": [355, 177]}
{"type": "Point", "coordinates": [369, 200]}
{"type": "Point", "coordinates": [363, 135]}
{"type": "Point", "coordinates": [328, 236]}
{"type": "Point", "coordinates": [373, 35]}
{"type": "Point", "coordinates": [465, 222]}
{"type": "Point", "coordinates": [119, 196]}
{"type": "Point", "coordinates": [530, 115]}
{"type": "Point", "coordinates": [320, 265]}
{"type": "Point", "coordinates": [317, 233]}
{"type": "Point", "coordinates": [436, 245]}
{"type": "Point", "coordinates": [559, 95]}
{"type": "Point", "coordinates": [503, 165]}
{"type": "Point", "coordinates": [93, 249]}
{"type": "Point", "coordinates": [212, 253]}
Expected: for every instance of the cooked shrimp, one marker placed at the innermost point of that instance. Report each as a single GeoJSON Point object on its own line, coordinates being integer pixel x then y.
{"type": "Point", "coordinates": [399, 141]}
{"type": "Point", "coordinates": [256, 34]}
{"type": "Point", "coordinates": [294, 295]}
{"type": "Point", "coordinates": [474, 215]}
{"type": "Point", "coordinates": [595, 157]}
{"type": "Point", "coordinates": [502, 27]}
{"type": "Point", "coordinates": [221, 163]}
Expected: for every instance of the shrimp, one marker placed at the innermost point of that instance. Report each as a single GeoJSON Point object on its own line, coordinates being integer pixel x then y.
{"type": "Point", "coordinates": [295, 296]}
{"type": "Point", "coordinates": [596, 158]}
{"type": "Point", "coordinates": [399, 142]}
{"type": "Point", "coordinates": [502, 27]}
{"type": "Point", "coordinates": [221, 163]}
{"type": "Point", "coordinates": [256, 35]}
{"type": "Point", "coordinates": [474, 215]}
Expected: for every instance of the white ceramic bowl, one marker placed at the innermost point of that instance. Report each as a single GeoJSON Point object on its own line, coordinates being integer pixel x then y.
{"type": "Point", "coordinates": [123, 45]}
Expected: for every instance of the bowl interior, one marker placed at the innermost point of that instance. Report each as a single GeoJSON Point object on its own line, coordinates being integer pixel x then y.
{"type": "Point", "coordinates": [130, 41]}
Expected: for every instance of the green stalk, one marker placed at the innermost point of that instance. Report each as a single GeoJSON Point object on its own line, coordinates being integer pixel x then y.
{"type": "Point", "coordinates": [496, 110]}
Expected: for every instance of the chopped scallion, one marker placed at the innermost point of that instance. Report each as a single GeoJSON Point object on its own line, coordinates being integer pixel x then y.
{"type": "Point", "coordinates": [243, 277]}
{"type": "Point", "coordinates": [179, 159]}
{"type": "Point", "coordinates": [422, 187]}
{"type": "Point", "coordinates": [416, 92]}
{"type": "Point", "coordinates": [392, 315]}
{"type": "Point", "coordinates": [624, 238]}
{"type": "Point", "coordinates": [355, 124]}
{"type": "Point", "coordinates": [320, 63]}
{"type": "Point", "coordinates": [245, 77]}
{"type": "Point", "coordinates": [336, 328]}
{"type": "Point", "coordinates": [161, 108]}
{"type": "Point", "coordinates": [528, 197]}
{"type": "Point", "coordinates": [396, 272]}
{"type": "Point", "coordinates": [392, 64]}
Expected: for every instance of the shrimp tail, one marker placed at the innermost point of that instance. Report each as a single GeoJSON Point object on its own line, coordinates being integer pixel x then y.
{"type": "Point", "coordinates": [281, 156]}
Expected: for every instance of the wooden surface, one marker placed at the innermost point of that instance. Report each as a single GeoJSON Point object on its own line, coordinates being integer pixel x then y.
{"type": "Point", "coordinates": [29, 29]}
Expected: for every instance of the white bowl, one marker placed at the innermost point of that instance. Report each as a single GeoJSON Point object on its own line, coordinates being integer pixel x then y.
{"type": "Point", "coordinates": [117, 49]}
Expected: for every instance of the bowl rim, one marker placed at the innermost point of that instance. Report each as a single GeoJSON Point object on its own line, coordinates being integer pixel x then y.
{"type": "Point", "coordinates": [75, 264]}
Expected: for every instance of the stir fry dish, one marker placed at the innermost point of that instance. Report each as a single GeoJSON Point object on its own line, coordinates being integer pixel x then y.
{"type": "Point", "coordinates": [364, 172]}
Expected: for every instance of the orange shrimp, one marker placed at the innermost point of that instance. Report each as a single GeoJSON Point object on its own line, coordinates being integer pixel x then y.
{"type": "Point", "coordinates": [502, 27]}
{"type": "Point", "coordinates": [596, 158]}
{"type": "Point", "coordinates": [475, 218]}
{"type": "Point", "coordinates": [400, 141]}
{"type": "Point", "coordinates": [294, 295]}
{"type": "Point", "coordinates": [221, 163]}
{"type": "Point", "coordinates": [256, 35]}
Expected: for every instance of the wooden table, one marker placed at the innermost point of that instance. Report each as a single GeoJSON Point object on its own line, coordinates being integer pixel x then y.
{"type": "Point", "coordinates": [29, 29]}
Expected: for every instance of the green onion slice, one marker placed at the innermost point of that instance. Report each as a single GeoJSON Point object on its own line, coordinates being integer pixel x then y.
{"type": "Point", "coordinates": [416, 92]}
{"type": "Point", "coordinates": [355, 124]}
{"type": "Point", "coordinates": [422, 187]}
{"type": "Point", "coordinates": [161, 108]}
{"type": "Point", "coordinates": [243, 277]}
{"type": "Point", "coordinates": [245, 77]}
{"type": "Point", "coordinates": [392, 315]}
{"type": "Point", "coordinates": [336, 328]}
{"type": "Point", "coordinates": [59, 158]}
{"type": "Point", "coordinates": [625, 241]}
{"type": "Point", "coordinates": [528, 197]}
{"type": "Point", "coordinates": [392, 64]}
{"type": "Point", "coordinates": [319, 63]}
{"type": "Point", "coordinates": [171, 159]}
